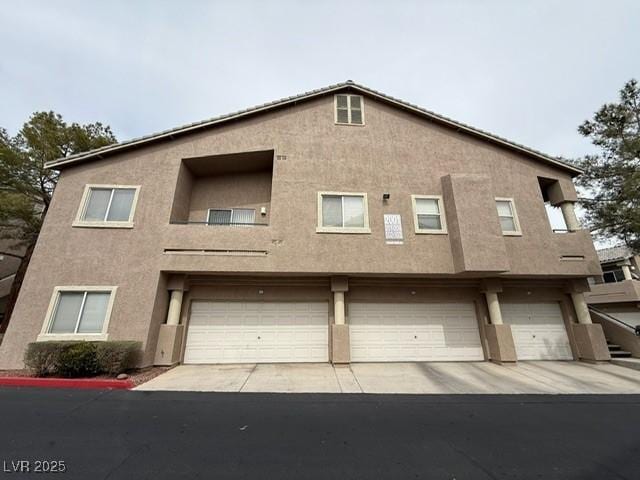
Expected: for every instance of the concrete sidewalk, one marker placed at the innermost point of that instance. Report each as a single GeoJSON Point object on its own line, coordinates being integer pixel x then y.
{"type": "Point", "coordinates": [422, 378]}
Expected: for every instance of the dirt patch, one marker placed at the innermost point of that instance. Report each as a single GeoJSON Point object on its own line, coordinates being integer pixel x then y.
{"type": "Point", "coordinates": [138, 377]}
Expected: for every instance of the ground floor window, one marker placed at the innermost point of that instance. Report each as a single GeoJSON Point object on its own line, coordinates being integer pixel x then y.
{"type": "Point", "coordinates": [79, 313]}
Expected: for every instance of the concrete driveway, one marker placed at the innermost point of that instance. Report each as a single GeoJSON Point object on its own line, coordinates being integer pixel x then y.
{"type": "Point", "coordinates": [420, 378]}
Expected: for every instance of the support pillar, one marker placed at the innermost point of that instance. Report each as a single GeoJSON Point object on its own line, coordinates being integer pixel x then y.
{"type": "Point", "coordinates": [581, 308]}
{"type": "Point", "coordinates": [340, 342]}
{"type": "Point", "coordinates": [562, 193]}
{"type": "Point", "coordinates": [175, 307]}
{"type": "Point", "coordinates": [338, 308]}
{"type": "Point", "coordinates": [499, 338]}
{"type": "Point", "coordinates": [590, 342]}
{"type": "Point", "coordinates": [626, 271]}
{"type": "Point", "coordinates": [569, 214]}
{"type": "Point", "coordinates": [495, 315]}
{"type": "Point", "coordinates": [170, 335]}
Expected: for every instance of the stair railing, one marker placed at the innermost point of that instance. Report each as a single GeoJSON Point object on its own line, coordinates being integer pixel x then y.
{"type": "Point", "coordinates": [634, 328]}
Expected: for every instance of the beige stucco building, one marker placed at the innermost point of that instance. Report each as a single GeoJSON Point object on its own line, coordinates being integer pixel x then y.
{"type": "Point", "coordinates": [338, 225]}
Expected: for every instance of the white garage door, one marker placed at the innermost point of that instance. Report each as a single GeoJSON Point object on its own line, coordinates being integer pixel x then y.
{"type": "Point", "coordinates": [257, 332]}
{"type": "Point", "coordinates": [538, 331]}
{"type": "Point", "coordinates": [397, 332]}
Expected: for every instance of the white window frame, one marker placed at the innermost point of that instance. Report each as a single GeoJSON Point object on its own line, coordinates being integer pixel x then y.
{"type": "Point", "coordinates": [518, 231]}
{"type": "Point", "coordinates": [84, 203]}
{"type": "Point", "coordinates": [45, 335]}
{"type": "Point", "coordinates": [335, 109]}
{"type": "Point", "coordinates": [355, 230]}
{"type": "Point", "coordinates": [232, 211]}
{"type": "Point", "coordinates": [443, 217]}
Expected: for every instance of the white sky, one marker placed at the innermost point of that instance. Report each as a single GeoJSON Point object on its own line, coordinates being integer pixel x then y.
{"type": "Point", "coordinates": [530, 71]}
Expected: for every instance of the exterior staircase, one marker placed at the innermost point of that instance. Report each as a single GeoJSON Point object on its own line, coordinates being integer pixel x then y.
{"type": "Point", "coordinates": [616, 351]}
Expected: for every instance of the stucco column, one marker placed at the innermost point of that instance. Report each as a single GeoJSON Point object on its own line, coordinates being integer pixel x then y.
{"type": "Point", "coordinates": [496, 334]}
{"type": "Point", "coordinates": [495, 315]}
{"type": "Point", "coordinates": [626, 271]}
{"type": "Point", "coordinates": [338, 308]}
{"type": "Point", "coordinates": [175, 305]}
{"type": "Point", "coordinates": [569, 214]}
{"type": "Point", "coordinates": [340, 344]}
{"type": "Point", "coordinates": [588, 341]}
{"type": "Point", "coordinates": [582, 310]}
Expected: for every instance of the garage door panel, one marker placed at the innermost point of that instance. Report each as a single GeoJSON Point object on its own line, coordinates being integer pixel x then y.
{"type": "Point", "coordinates": [414, 332]}
{"type": "Point", "coordinates": [538, 331]}
{"type": "Point", "coordinates": [254, 332]}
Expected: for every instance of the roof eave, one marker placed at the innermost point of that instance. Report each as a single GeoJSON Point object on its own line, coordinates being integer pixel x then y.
{"type": "Point", "coordinates": [170, 134]}
{"type": "Point", "coordinates": [188, 129]}
{"type": "Point", "coordinates": [474, 132]}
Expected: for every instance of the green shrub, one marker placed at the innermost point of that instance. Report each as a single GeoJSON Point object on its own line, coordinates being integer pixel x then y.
{"type": "Point", "coordinates": [81, 358]}
{"type": "Point", "coordinates": [42, 358]}
{"type": "Point", "coordinates": [78, 360]}
{"type": "Point", "coordinates": [116, 357]}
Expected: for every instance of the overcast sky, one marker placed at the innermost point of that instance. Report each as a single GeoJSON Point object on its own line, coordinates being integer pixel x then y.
{"type": "Point", "coordinates": [529, 71]}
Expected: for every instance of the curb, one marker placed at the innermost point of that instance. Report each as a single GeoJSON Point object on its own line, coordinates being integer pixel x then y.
{"type": "Point", "coordinates": [79, 383]}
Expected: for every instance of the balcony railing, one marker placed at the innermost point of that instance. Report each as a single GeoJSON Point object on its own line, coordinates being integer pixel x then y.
{"type": "Point", "coordinates": [229, 224]}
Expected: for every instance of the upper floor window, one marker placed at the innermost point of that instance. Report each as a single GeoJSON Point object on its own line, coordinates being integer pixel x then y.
{"type": "Point", "coordinates": [349, 109]}
{"type": "Point", "coordinates": [78, 313]}
{"type": "Point", "coordinates": [231, 216]}
{"type": "Point", "coordinates": [107, 206]}
{"type": "Point", "coordinates": [613, 276]}
{"type": "Point", "coordinates": [508, 216]}
{"type": "Point", "coordinates": [343, 212]}
{"type": "Point", "coordinates": [428, 214]}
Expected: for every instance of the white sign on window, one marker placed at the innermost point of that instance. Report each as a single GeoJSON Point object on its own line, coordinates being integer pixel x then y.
{"type": "Point", "coordinates": [393, 229]}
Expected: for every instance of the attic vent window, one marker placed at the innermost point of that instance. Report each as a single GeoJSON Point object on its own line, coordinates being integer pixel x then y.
{"type": "Point", "coordinates": [349, 110]}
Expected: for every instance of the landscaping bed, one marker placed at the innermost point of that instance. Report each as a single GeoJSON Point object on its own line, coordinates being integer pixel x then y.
{"type": "Point", "coordinates": [81, 364]}
{"type": "Point", "coordinates": [134, 378]}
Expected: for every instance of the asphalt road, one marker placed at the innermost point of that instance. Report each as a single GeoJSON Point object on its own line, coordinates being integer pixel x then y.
{"type": "Point", "coordinates": [157, 435]}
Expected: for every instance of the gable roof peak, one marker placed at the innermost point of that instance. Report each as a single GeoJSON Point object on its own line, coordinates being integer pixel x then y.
{"type": "Point", "coordinates": [382, 97]}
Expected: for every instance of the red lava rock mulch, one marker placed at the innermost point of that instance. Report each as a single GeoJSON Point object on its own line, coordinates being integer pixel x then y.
{"type": "Point", "coordinates": [135, 377]}
{"type": "Point", "coordinates": [138, 377]}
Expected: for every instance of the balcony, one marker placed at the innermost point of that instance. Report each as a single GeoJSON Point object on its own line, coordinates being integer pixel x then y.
{"type": "Point", "coordinates": [221, 208]}
{"type": "Point", "coordinates": [202, 237]}
{"type": "Point", "coordinates": [615, 292]}
{"type": "Point", "coordinates": [227, 189]}
{"type": "Point", "coordinates": [576, 253]}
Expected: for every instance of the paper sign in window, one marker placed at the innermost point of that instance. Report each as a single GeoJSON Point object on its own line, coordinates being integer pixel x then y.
{"type": "Point", "coordinates": [393, 229]}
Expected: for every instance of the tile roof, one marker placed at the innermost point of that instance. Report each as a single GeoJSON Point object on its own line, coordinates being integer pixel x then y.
{"type": "Point", "coordinates": [612, 254]}
{"type": "Point", "coordinates": [349, 84]}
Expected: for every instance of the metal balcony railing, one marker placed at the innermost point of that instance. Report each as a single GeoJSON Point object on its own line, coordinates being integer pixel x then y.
{"type": "Point", "coordinates": [212, 224]}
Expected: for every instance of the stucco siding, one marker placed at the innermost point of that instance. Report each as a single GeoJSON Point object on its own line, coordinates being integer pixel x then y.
{"type": "Point", "coordinates": [395, 152]}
